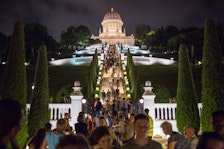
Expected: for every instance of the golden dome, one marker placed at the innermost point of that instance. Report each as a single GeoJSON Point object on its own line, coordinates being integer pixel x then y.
{"type": "Point", "coordinates": [112, 15]}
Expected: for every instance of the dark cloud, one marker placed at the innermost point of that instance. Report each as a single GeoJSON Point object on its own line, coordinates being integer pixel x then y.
{"type": "Point", "coordinates": [57, 15]}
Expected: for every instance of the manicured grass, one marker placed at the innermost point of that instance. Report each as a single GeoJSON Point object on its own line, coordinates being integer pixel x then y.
{"type": "Point", "coordinates": [60, 76]}
{"type": "Point", "coordinates": [166, 75]}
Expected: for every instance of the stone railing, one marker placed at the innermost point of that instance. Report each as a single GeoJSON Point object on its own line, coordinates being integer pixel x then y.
{"type": "Point", "coordinates": [163, 112]}
{"type": "Point", "coordinates": [166, 111]}
{"type": "Point", "coordinates": [57, 110]}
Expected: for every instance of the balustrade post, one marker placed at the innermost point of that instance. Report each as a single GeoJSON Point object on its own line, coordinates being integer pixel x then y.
{"type": "Point", "coordinates": [76, 103]}
{"type": "Point", "coordinates": [149, 100]}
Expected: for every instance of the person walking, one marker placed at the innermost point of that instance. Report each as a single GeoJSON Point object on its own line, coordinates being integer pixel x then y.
{"type": "Point", "coordinates": [142, 141]}
{"type": "Point", "coordinates": [150, 134]}
{"type": "Point", "coordinates": [10, 123]}
{"type": "Point", "coordinates": [103, 95]}
{"type": "Point", "coordinates": [192, 139]}
{"type": "Point", "coordinates": [176, 140]}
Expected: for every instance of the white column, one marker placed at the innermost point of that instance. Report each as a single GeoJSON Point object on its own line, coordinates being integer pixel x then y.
{"type": "Point", "coordinates": [76, 101]}
{"type": "Point", "coordinates": [122, 56]}
{"type": "Point", "coordinates": [101, 56]}
{"type": "Point", "coordinates": [148, 101]}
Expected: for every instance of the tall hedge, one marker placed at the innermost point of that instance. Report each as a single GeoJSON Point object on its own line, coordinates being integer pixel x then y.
{"type": "Point", "coordinates": [212, 97]}
{"type": "Point", "coordinates": [14, 79]}
{"type": "Point", "coordinates": [132, 75]}
{"type": "Point", "coordinates": [187, 112]}
{"type": "Point", "coordinates": [39, 112]}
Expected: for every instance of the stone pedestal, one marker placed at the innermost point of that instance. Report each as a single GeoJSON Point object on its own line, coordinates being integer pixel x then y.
{"type": "Point", "coordinates": [76, 102]}
{"type": "Point", "coordinates": [101, 56]}
{"type": "Point", "coordinates": [122, 56]}
{"type": "Point", "coordinates": [149, 100]}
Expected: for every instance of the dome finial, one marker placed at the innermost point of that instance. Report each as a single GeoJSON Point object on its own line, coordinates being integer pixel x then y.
{"type": "Point", "coordinates": [112, 9]}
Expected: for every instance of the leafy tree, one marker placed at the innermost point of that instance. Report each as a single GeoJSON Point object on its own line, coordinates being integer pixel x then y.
{"type": "Point", "coordinates": [36, 35]}
{"type": "Point", "coordinates": [39, 113]}
{"type": "Point", "coordinates": [140, 32]}
{"type": "Point", "coordinates": [66, 90]}
{"type": "Point", "coordinates": [162, 94]}
{"type": "Point", "coordinates": [75, 36]}
{"type": "Point", "coordinates": [187, 113]}
{"type": "Point", "coordinates": [14, 79]}
{"type": "Point", "coordinates": [83, 34]}
{"type": "Point", "coordinates": [212, 89]}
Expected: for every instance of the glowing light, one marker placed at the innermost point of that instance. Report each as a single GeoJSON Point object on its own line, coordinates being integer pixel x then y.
{"type": "Point", "coordinates": [141, 101]}
{"type": "Point", "coordinates": [97, 88]}
{"type": "Point", "coordinates": [26, 63]}
{"type": "Point", "coordinates": [199, 62]}
{"type": "Point", "coordinates": [96, 95]}
{"type": "Point", "coordinates": [128, 88]}
{"type": "Point", "coordinates": [83, 101]}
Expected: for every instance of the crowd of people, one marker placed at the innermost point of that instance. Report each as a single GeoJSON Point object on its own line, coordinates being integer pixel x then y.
{"type": "Point", "coordinates": [111, 124]}
{"type": "Point", "coordinates": [105, 133]}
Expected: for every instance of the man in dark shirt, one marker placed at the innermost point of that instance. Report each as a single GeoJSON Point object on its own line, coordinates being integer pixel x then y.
{"type": "Point", "coordinates": [10, 123]}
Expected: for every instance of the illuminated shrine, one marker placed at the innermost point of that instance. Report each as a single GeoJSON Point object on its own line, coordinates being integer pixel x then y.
{"type": "Point", "coordinates": [112, 31]}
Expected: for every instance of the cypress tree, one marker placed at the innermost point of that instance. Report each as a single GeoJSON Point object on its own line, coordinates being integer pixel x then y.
{"type": "Point", "coordinates": [39, 113]}
{"type": "Point", "coordinates": [212, 98]}
{"type": "Point", "coordinates": [187, 113]}
{"type": "Point", "coordinates": [14, 79]}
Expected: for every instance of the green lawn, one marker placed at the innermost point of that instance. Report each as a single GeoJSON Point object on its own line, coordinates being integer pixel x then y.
{"type": "Point", "coordinates": [166, 75]}
{"type": "Point", "coordinates": [60, 76]}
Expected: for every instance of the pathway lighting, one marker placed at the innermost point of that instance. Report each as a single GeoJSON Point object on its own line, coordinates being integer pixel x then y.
{"type": "Point", "coordinates": [83, 101]}
{"type": "Point", "coordinates": [141, 101]}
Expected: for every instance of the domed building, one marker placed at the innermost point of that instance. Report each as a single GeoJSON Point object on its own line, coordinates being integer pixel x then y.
{"type": "Point", "coordinates": [112, 31]}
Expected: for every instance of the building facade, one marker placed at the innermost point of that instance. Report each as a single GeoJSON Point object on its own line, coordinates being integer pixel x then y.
{"type": "Point", "coordinates": [112, 31]}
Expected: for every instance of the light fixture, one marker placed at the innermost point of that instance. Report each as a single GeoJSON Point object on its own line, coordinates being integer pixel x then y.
{"type": "Point", "coordinates": [141, 101]}
{"type": "Point", "coordinates": [83, 101]}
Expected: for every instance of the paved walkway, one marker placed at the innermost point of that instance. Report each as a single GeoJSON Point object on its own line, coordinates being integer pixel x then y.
{"type": "Point", "coordinates": [105, 87]}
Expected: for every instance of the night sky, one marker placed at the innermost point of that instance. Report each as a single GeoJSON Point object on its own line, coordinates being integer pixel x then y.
{"type": "Point", "coordinates": [57, 15]}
